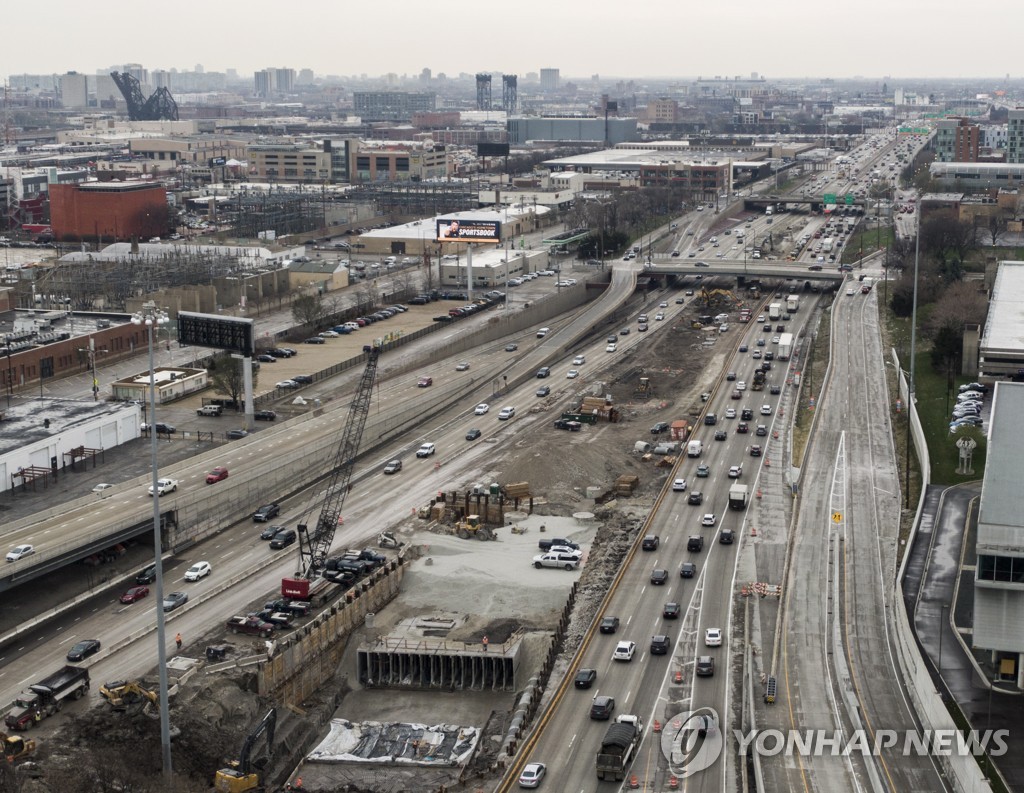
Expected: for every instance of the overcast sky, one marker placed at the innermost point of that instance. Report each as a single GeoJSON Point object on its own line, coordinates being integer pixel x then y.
{"type": "Point", "coordinates": [685, 38]}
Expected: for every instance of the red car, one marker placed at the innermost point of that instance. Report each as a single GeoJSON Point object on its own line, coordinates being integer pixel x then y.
{"type": "Point", "coordinates": [216, 475]}
{"type": "Point", "coordinates": [425, 381]}
{"type": "Point", "coordinates": [134, 594]}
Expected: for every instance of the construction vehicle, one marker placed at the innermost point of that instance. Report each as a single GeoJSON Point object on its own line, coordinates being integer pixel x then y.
{"type": "Point", "coordinates": [618, 747]}
{"type": "Point", "coordinates": [472, 527]}
{"type": "Point", "coordinates": [17, 748]}
{"type": "Point", "coordinates": [711, 296]}
{"type": "Point", "coordinates": [387, 539]}
{"type": "Point", "coordinates": [315, 542]}
{"type": "Point", "coordinates": [244, 774]}
{"type": "Point", "coordinates": [46, 697]}
{"type": "Point", "coordinates": [122, 693]}
{"type": "Point", "coordinates": [758, 383]}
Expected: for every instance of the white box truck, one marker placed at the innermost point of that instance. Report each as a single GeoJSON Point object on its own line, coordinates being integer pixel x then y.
{"type": "Point", "coordinates": [785, 346]}
{"type": "Point", "coordinates": [792, 304]}
{"type": "Point", "coordinates": [774, 311]}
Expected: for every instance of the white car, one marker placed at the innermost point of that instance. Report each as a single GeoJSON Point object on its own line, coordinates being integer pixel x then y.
{"type": "Point", "coordinates": [579, 360]}
{"type": "Point", "coordinates": [532, 774]}
{"type": "Point", "coordinates": [624, 651]}
{"type": "Point", "coordinates": [20, 552]}
{"type": "Point", "coordinates": [572, 374]}
{"type": "Point", "coordinates": [713, 637]}
{"type": "Point", "coordinates": [766, 410]}
{"type": "Point", "coordinates": [735, 471]}
{"type": "Point", "coordinates": [709, 519]}
{"type": "Point", "coordinates": [462, 366]}
{"type": "Point", "coordinates": [287, 384]}
{"type": "Point", "coordinates": [506, 413]}
{"type": "Point", "coordinates": [102, 489]}
{"type": "Point", "coordinates": [426, 450]}
{"type": "Point", "coordinates": [741, 385]}
{"type": "Point", "coordinates": [197, 571]}
{"type": "Point", "coordinates": [164, 486]}
{"type": "Point", "coordinates": [659, 317]}
{"type": "Point", "coordinates": [482, 408]}
{"type": "Point", "coordinates": [610, 348]}
{"type": "Point", "coordinates": [329, 334]}
{"type": "Point", "coordinates": [663, 304]}
{"type": "Point", "coordinates": [730, 413]}
{"type": "Point", "coordinates": [679, 485]}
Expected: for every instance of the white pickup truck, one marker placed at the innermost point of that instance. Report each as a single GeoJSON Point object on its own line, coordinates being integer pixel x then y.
{"type": "Point", "coordinates": [210, 410]}
{"type": "Point", "coordinates": [164, 486]}
{"type": "Point", "coordinates": [569, 561]}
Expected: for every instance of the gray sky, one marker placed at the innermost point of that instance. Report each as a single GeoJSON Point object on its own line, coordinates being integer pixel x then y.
{"type": "Point", "coordinates": [686, 38]}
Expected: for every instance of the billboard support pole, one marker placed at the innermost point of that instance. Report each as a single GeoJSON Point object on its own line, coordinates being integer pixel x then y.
{"type": "Point", "coordinates": [469, 272]}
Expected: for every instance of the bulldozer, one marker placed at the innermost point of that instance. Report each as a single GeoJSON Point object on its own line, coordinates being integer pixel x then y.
{"type": "Point", "coordinates": [245, 774]}
{"type": "Point", "coordinates": [472, 527]}
{"type": "Point", "coordinates": [17, 748]}
{"type": "Point", "coordinates": [123, 693]}
{"type": "Point", "coordinates": [387, 539]}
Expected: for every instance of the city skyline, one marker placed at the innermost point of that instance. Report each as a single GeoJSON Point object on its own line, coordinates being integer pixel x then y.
{"type": "Point", "coordinates": [796, 40]}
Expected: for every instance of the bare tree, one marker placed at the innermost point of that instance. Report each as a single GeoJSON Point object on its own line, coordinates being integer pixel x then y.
{"type": "Point", "coordinates": [996, 226]}
{"type": "Point", "coordinates": [308, 310]}
{"type": "Point", "coordinates": [962, 303]}
{"type": "Point", "coordinates": [228, 376]}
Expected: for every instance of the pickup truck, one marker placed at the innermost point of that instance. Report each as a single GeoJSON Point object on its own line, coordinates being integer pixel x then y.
{"type": "Point", "coordinates": [546, 544]}
{"type": "Point", "coordinates": [210, 410]}
{"type": "Point", "coordinates": [250, 624]}
{"type": "Point", "coordinates": [164, 486]}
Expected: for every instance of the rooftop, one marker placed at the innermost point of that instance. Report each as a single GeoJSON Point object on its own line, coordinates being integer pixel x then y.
{"type": "Point", "coordinates": [1000, 522]}
{"type": "Point", "coordinates": [1004, 329]}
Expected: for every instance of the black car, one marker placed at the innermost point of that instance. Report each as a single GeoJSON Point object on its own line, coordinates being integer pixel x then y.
{"type": "Point", "coordinates": [694, 544]}
{"type": "Point", "coordinates": [269, 532]}
{"type": "Point", "coordinates": [721, 435]}
{"type": "Point", "coordinates": [473, 434]}
{"type": "Point", "coordinates": [651, 542]}
{"type": "Point", "coordinates": [544, 371]}
{"type": "Point", "coordinates": [671, 611]}
{"type": "Point", "coordinates": [769, 356]}
{"type": "Point", "coordinates": [264, 415]}
{"type": "Point", "coordinates": [283, 539]}
{"type": "Point", "coordinates": [774, 389]}
{"type": "Point", "coordinates": [660, 644]}
{"type": "Point", "coordinates": [761, 430]}
{"type": "Point", "coordinates": [705, 666]}
{"type": "Point", "coordinates": [305, 379]}
{"type": "Point", "coordinates": [315, 340]}
{"type": "Point", "coordinates": [585, 678]}
{"type": "Point", "coordinates": [146, 576]}
{"type": "Point", "coordinates": [543, 391]}
{"type": "Point", "coordinates": [688, 569]}
{"type": "Point", "coordinates": [659, 576]}
{"type": "Point", "coordinates": [695, 497]}
{"type": "Point", "coordinates": [743, 427]}
{"type": "Point", "coordinates": [84, 649]}
{"type": "Point", "coordinates": [234, 435]}
{"type": "Point", "coordinates": [276, 618]}
{"type": "Point", "coordinates": [602, 707]}
{"type": "Point", "coordinates": [161, 428]}
{"type": "Point", "coordinates": [266, 358]}
{"type": "Point", "coordinates": [747, 414]}
{"type": "Point", "coordinates": [277, 352]}
{"type": "Point", "coordinates": [660, 427]}
{"type": "Point", "coordinates": [710, 419]}
{"type": "Point", "coordinates": [609, 624]}
{"type": "Point", "coordinates": [266, 512]}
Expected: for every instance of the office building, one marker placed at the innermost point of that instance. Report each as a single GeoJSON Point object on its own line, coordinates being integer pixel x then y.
{"type": "Point", "coordinates": [956, 140]}
{"type": "Point", "coordinates": [392, 105]}
{"type": "Point", "coordinates": [74, 90]}
{"type": "Point", "coordinates": [549, 79]}
{"type": "Point", "coordinates": [1015, 136]}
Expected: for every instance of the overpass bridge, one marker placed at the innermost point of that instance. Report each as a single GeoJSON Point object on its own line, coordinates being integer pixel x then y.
{"type": "Point", "coordinates": [816, 204]}
{"type": "Point", "coordinates": [664, 264]}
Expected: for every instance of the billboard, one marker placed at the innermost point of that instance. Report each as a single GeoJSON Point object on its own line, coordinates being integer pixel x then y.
{"type": "Point", "coordinates": [215, 162]}
{"type": "Point", "coordinates": [219, 333]}
{"type": "Point", "coordinates": [463, 230]}
{"type": "Point", "coordinates": [492, 149]}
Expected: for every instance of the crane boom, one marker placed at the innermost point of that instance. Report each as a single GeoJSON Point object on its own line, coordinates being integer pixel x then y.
{"type": "Point", "coordinates": [316, 544]}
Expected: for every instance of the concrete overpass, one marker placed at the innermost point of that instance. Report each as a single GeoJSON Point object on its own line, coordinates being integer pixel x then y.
{"type": "Point", "coordinates": [664, 264]}
{"type": "Point", "coordinates": [761, 200]}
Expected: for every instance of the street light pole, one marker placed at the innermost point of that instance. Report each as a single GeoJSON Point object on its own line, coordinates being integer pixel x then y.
{"type": "Point", "coordinates": [153, 318]}
{"type": "Point", "coordinates": [913, 351]}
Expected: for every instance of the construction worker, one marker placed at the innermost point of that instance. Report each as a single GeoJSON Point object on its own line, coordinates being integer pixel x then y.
{"type": "Point", "coordinates": [177, 640]}
{"type": "Point", "coordinates": [485, 643]}
{"type": "Point", "coordinates": [298, 783]}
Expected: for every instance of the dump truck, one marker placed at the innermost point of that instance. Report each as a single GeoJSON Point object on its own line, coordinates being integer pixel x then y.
{"type": "Point", "coordinates": [618, 747]}
{"type": "Point", "coordinates": [774, 311]}
{"type": "Point", "coordinates": [738, 495]}
{"type": "Point", "coordinates": [46, 697]}
{"type": "Point", "coordinates": [785, 346]}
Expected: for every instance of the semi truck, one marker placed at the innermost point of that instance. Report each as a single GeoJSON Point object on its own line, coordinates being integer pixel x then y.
{"type": "Point", "coordinates": [774, 311]}
{"type": "Point", "coordinates": [618, 747]}
{"type": "Point", "coordinates": [785, 346]}
{"type": "Point", "coordinates": [738, 495]}
{"type": "Point", "coordinates": [46, 697]}
{"type": "Point", "coordinates": [792, 304]}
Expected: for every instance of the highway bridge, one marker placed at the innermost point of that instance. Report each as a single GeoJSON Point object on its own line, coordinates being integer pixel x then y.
{"type": "Point", "coordinates": [664, 264]}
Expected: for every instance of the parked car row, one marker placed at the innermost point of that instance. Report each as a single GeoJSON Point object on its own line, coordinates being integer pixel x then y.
{"type": "Point", "coordinates": [969, 406]}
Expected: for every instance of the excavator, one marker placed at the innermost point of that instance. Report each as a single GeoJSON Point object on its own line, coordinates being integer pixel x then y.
{"type": "Point", "coordinates": [472, 527]}
{"type": "Point", "coordinates": [244, 774]}
{"type": "Point", "coordinates": [16, 747]}
{"type": "Point", "coordinates": [710, 296]}
{"type": "Point", "coordinates": [122, 693]}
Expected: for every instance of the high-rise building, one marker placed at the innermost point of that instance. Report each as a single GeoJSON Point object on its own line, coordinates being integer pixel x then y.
{"type": "Point", "coordinates": [549, 79]}
{"type": "Point", "coordinates": [263, 83]}
{"type": "Point", "coordinates": [956, 140]}
{"type": "Point", "coordinates": [74, 90]}
{"type": "Point", "coordinates": [284, 80]}
{"type": "Point", "coordinates": [391, 105]}
{"type": "Point", "coordinates": [1015, 136]}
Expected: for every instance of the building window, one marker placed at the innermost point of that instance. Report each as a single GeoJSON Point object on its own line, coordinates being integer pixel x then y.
{"type": "Point", "coordinates": [1004, 569]}
{"type": "Point", "coordinates": [363, 163]}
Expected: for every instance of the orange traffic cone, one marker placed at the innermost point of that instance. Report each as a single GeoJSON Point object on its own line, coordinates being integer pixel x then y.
{"type": "Point", "coordinates": [753, 531]}
{"type": "Point", "coordinates": [673, 783]}
{"type": "Point", "coordinates": [634, 783]}
{"type": "Point", "coordinates": [678, 676]}
{"type": "Point", "coordinates": [657, 726]}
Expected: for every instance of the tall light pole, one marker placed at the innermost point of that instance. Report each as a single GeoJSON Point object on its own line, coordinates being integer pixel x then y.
{"type": "Point", "coordinates": [153, 318]}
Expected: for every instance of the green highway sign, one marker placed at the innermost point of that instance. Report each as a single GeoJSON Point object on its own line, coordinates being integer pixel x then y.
{"type": "Point", "coordinates": [849, 199]}
{"type": "Point", "coordinates": [829, 198]}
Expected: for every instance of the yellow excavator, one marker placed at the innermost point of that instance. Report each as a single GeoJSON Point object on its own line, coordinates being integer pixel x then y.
{"type": "Point", "coordinates": [710, 296]}
{"type": "Point", "coordinates": [472, 527]}
{"type": "Point", "coordinates": [16, 747]}
{"type": "Point", "coordinates": [122, 693]}
{"type": "Point", "coordinates": [245, 774]}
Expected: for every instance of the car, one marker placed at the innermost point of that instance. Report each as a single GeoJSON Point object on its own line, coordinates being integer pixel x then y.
{"type": "Point", "coordinates": [315, 340]}
{"type": "Point", "coordinates": [134, 594]}
{"type": "Point", "coordinates": [650, 542]}
{"type": "Point", "coordinates": [482, 408]}
{"type": "Point", "coordinates": [710, 419]}
{"type": "Point", "coordinates": [721, 435]}
{"type": "Point", "coordinates": [671, 611]}
{"type": "Point", "coordinates": [392, 467]}
{"type": "Point", "coordinates": [703, 470]}
{"type": "Point", "coordinates": [701, 264]}
{"type": "Point", "coordinates": [216, 475]}
{"type": "Point", "coordinates": [774, 389]}
{"type": "Point", "coordinates": [197, 571]}
{"type": "Point", "coordinates": [286, 384]}
{"type": "Point", "coordinates": [679, 485]}
{"type": "Point", "coordinates": [147, 575]}
{"type": "Point", "coordinates": [83, 649]}
{"type": "Point", "coordinates": [542, 332]}
{"type": "Point", "coordinates": [462, 366]}
{"type": "Point", "coordinates": [236, 434]}
{"type": "Point", "coordinates": [747, 414]}
{"type": "Point", "coordinates": [766, 410]}
{"type": "Point", "coordinates": [660, 316]}
{"type": "Point", "coordinates": [579, 360]}
{"type": "Point", "coordinates": [705, 666]}
{"type": "Point", "coordinates": [266, 512]}
{"type": "Point", "coordinates": [329, 334]}
{"type": "Point", "coordinates": [730, 376]}
{"type": "Point", "coordinates": [641, 328]}
{"type": "Point", "coordinates": [660, 644]}
{"type": "Point", "coordinates": [695, 543]}
{"type": "Point", "coordinates": [659, 576]}
{"type": "Point", "coordinates": [767, 328]}
{"type": "Point", "coordinates": [160, 427]}
{"type": "Point", "coordinates": [608, 624]}
{"type": "Point", "coordinates": [730, 413]}
{"type": "Point", "coordinates": [610, 348]}
{"type": "Point", "coordinates": [506, 413]}
{"type": "Point", "coordinates": [426, 450]}
{"type": "Point", "coordinates": [585, 678]}
{"type": "Point", "coordinates": [760, 343]}
{"type": "Point", "coordinates": [572, 374]}
{"type": "Point", "coordinates": [736, 394]}
{"type": "Point", "coordinates": [756, 354]}
{"type": "Point", "coordinates": [696, 497]}
{"type": "Point", "coordinates": [709, 519]}
{"type": "Point", "coordinates": [624, 651]}
{"type": "Point", "coordinates": [543, 391]}
{"type": "Point", "coordinates": [174, 599]}
{"type": "Point", "coordinates": [511, 347]}
{"type": "Point", "coordinates": [265, 415]}
{"type": "Point", "coordinates": [283, 539]}
{"type": "Point", "coordinates": [164, 485]}
{"type": "Point", "coordinates": [735, 471]}
{"type": "Point", "coordinates": [473, 434]}
{"type": "Point", "coordinates": [726, 537]}
{"type": "Point", "coordinates": [743, 428]}
{"type": "Point", "coordinates": [688, 569]}
{"type": "Point", "coordinates": [532, 774]}
{"type": "Point", "coordinates": [769, 356]}
{"type": "Point", "coordinates": [102, 489]}
{"type": "Point", "coordinates": [544, 371]}
{"type": "Point", "coordinates": [424, 382]}
{"type": "Point", "coordinates": [660, 427]}
{"type": "Point", "coordinates": [269, 532]}
{"type": "Point", "coordinates": [741, 386]}
{"type": "Point", "coordinates": [775, 339]}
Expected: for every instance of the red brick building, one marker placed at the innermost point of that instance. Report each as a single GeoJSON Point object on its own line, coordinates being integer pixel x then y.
{"type": "Point", "coordinates": [108, 211]}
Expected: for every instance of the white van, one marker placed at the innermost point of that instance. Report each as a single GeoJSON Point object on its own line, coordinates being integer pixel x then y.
{"type": "Point", "coordinates": [694, 449]}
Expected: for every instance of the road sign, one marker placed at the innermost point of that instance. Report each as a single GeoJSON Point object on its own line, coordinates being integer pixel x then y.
{"type": "Point", "coordinates": [849, 199]}
{"type": "Point", "coordinates": [837, 517]}
{"type": "Point", "coordinates": [829, 198]}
